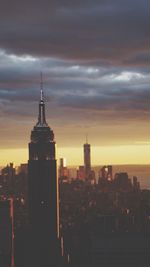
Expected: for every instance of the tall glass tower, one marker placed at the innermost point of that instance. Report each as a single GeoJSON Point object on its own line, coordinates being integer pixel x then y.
{"type": "Point", "coordinates": [87, 159]}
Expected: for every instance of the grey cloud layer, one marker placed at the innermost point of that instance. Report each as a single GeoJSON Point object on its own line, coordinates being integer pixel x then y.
{"type": "Point", "coordinates": [116, 32]}
{"type": "Point", "coordinates": [68, 85]}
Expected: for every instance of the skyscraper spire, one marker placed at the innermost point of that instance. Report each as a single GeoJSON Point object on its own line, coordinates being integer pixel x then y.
{"type": "Point", "coordinates": [86, 138]}
{"type": "Point", "coordinates": [42, 86]}
{"type": "Point", "coordinates": [41, 118]}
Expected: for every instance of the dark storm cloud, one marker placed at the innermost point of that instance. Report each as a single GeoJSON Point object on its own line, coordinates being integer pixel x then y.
{"type": "Point", "coordinates": [113, 31]}
{"type": "Point", "coordinates": [112, 93]}
{"type": "Point", "coordinates": [139, 59]}
{"type": "Point", "coordinates": [116, 103]}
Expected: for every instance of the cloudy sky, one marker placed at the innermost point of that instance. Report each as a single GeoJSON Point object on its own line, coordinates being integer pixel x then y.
{"type": "Point", "coordinates": [95, 59]}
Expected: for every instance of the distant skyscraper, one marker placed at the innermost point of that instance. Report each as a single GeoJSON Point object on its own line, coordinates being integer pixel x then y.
{"type": "Point", "coordinates": [81, 173]}
{"type": "Point", "coordinates": [62, 167]}
{"type": "Point", "coordinates": [8, 179]}
{"type": "Point", "coordinates": [63, 171]}
{"type": "Point", "coordinates": [106, 172]}
{"type": "Point", "coordinates": [62, 162]}
{"type": "Point", "coordinates": [87, 159]}
{"type": "Point", "coordinates": [43, 193]}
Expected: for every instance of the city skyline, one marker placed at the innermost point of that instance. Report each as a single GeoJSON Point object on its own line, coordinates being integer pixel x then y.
{"type": "Point", "coordinates": [95, 62]}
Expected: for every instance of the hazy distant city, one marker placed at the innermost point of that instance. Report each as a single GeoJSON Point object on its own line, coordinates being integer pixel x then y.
{"type": "Point", "coordinates": [141, 171]}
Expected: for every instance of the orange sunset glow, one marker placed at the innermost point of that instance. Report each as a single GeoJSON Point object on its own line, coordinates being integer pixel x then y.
{"type": "Point", "coordinates": [127, 154]}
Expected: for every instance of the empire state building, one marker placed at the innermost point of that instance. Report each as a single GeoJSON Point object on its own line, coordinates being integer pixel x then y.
{"type": "Point", "coordinates": [43, 193]}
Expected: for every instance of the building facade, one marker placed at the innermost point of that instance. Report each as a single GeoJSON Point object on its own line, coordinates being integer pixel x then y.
{"type": "Point", "coordinates": [87, 159]}
{"type": "Point", "coordinates": [43, 193]}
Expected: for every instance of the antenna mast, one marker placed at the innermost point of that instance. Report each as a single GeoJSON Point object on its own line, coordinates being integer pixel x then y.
{"type": "Point", "coordinates": [41, 86]}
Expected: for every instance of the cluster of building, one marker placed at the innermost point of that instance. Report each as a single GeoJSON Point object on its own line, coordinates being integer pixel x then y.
{"type": "Point", "coordinates": [84, 172]}
{"type": "Point", "coordinates": [106, 180]}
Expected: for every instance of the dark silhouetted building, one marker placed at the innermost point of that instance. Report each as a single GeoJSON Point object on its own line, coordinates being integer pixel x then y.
{"type": "Point", "coordinates": [122, 181]}
{"type": "Point", "coordinates": [87, 159]}
{"type": "Point", "coordinates": [8, 179]}
{"type": "Point", "coordinates": [136, 184]}
{"type": "Point", "coordinates": [6, 234]}
{"type": "Point", "coordinates": [106, 173]}
{"type": "Point", "coordinates": [43, 194]}
{"type": "Point", "coordinates": [63, 171]}
{"type": "Point", "coordinates": [23, 168]}
{"type": "Point", "coordinates": [120, 250]}
{"type": "Point", "coordinates": [81, 173]}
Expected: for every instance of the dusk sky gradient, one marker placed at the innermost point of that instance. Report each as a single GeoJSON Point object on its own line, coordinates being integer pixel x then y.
{"type": "Point", "coordinates": [95, 59]}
